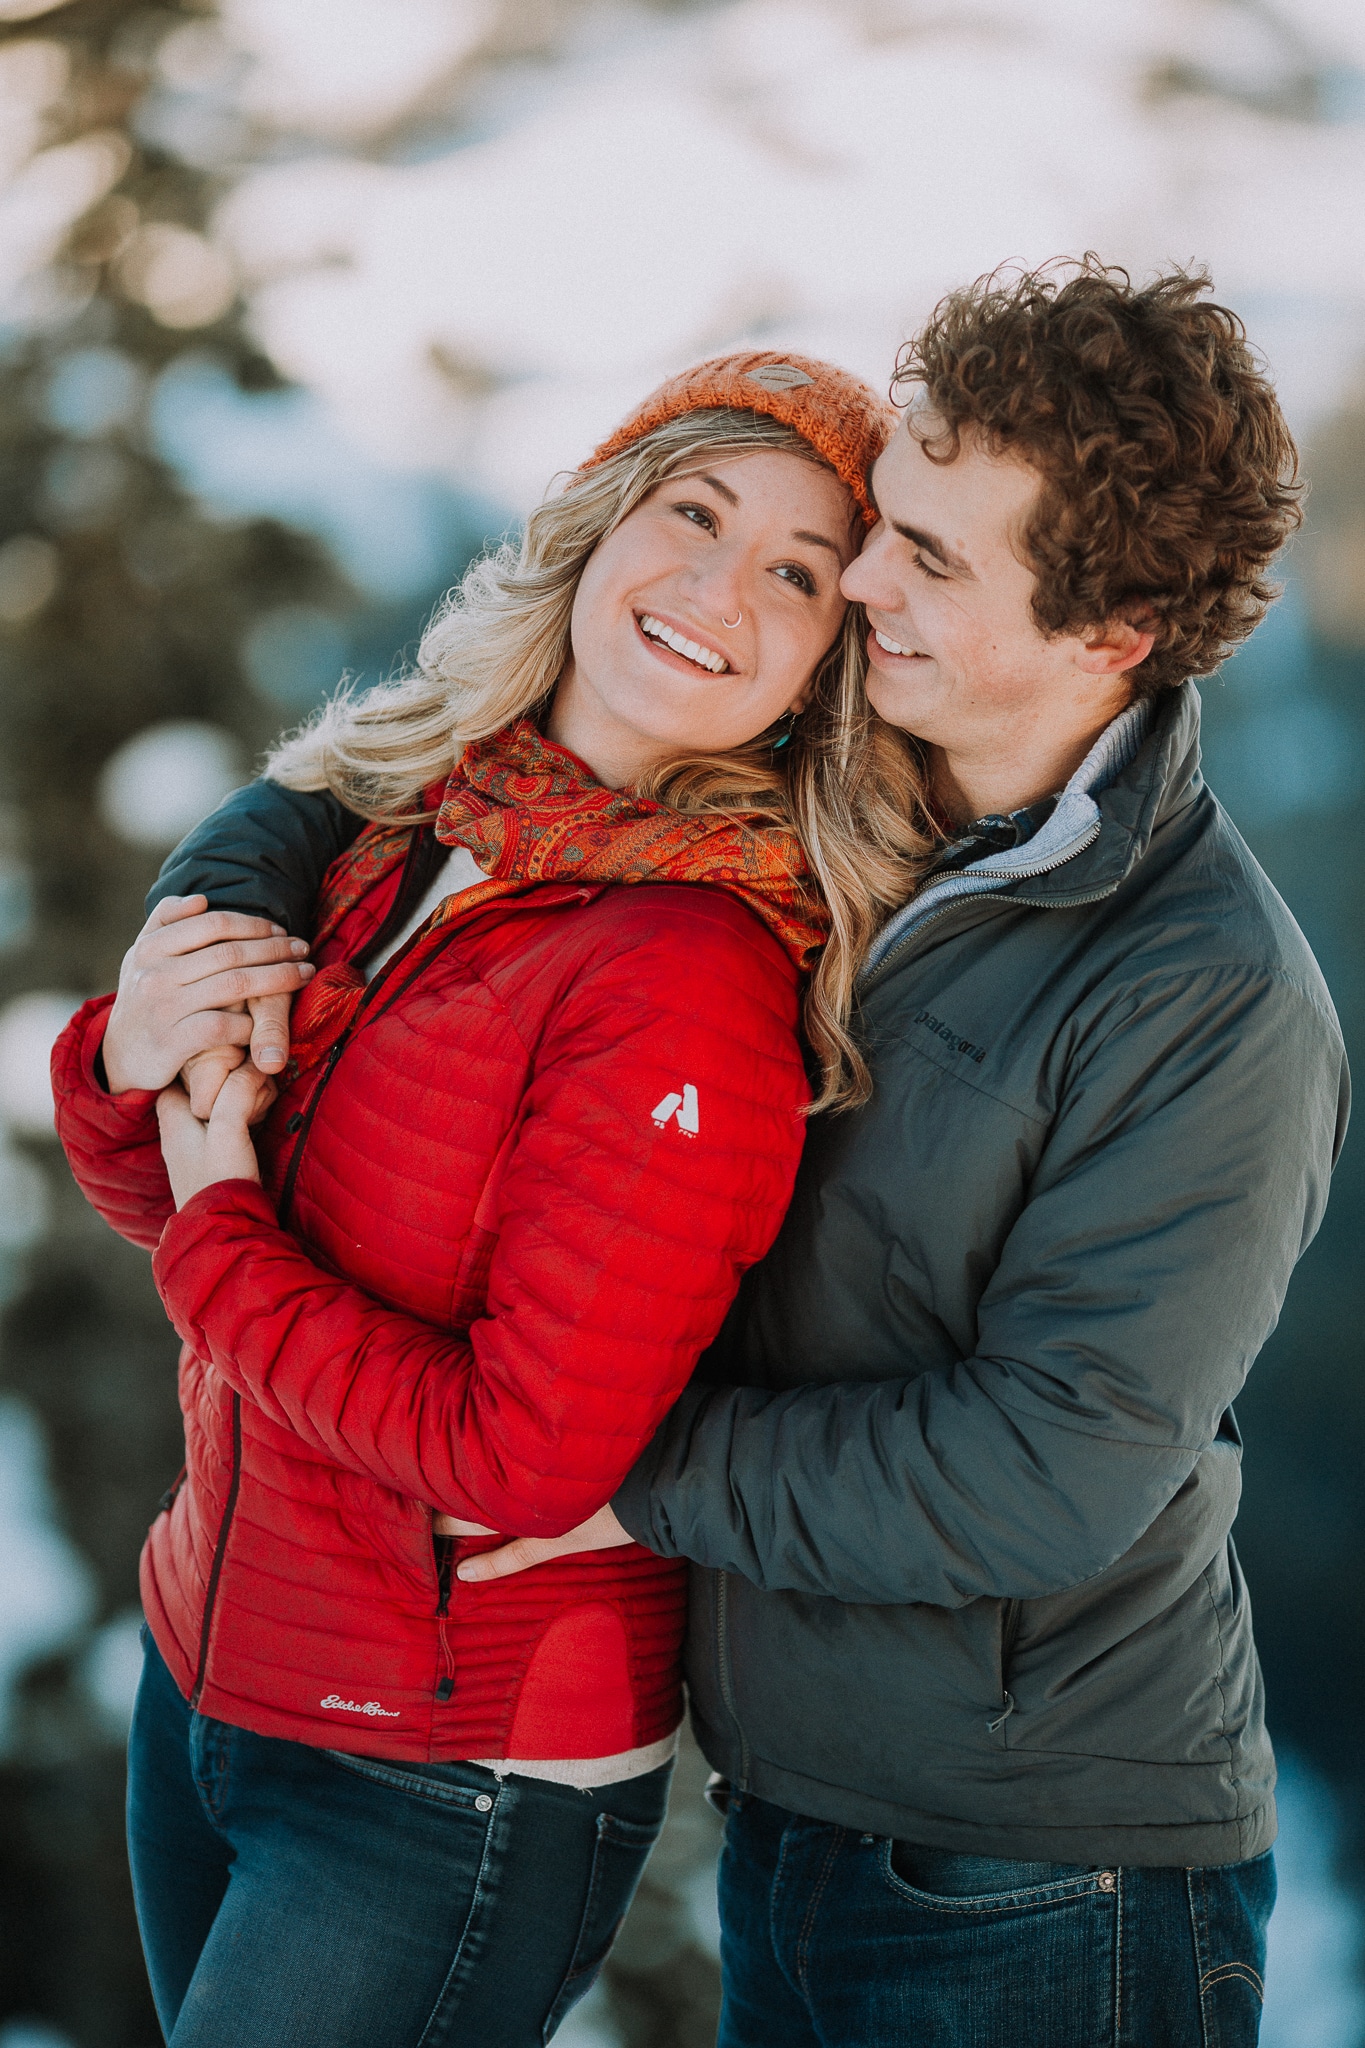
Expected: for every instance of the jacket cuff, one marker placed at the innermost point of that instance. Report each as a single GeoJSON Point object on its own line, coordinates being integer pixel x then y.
{"type": "Point", "coordinates": [641, 1511]}
{"type": "Point", "coordinates": [220, 1201]}
{"type": "Point", "coordinates": [78, 1071]}
{"type": "Point", "coordinates": [242, 1205]}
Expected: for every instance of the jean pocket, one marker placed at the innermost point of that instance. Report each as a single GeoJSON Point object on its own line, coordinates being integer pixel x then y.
{"type": "Point", "coordinates": [940, 1882]}
{"type": "Point", "coordinates": [1230, 1908]}
{"type": "Point", "coordinates": [436, 1783]}
{"type": "Point", "coordinates": [618, 1859]}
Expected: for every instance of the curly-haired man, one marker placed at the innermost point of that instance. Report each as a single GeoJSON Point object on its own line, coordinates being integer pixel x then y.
{"type": "Point", "coordinates": [971, 1647]}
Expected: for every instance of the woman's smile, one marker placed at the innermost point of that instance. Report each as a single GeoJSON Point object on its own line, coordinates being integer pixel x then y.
{"type": "Point", "coordinates": [666, 638]}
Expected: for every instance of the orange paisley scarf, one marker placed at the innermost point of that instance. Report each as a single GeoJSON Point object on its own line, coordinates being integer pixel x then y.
{"type": "Point", "coordinates": [531, 813]}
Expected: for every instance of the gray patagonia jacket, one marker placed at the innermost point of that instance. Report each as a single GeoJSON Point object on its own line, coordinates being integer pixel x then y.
{"type": "Point", "coordinates": [960, 1486]}
{"type": "Point", "coordinates": [964, 1523]}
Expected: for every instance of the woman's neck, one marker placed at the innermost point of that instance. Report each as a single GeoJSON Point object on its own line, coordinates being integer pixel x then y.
{"type": "Point", "coordinates": [577, 719]}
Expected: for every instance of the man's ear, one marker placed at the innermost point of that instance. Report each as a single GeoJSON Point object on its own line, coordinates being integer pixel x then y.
{"type": "Point", "coordinates": [1115, 648]}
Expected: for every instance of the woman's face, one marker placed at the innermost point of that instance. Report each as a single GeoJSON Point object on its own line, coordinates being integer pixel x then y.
{"type": "Point", "coordinates": [761, 539]}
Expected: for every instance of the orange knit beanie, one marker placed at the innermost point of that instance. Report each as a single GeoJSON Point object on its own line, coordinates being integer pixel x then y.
{"type": "Point", "coordinates": [841, 417]}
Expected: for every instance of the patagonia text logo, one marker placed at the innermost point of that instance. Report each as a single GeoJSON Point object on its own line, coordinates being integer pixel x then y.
{"type": "Point", "coordinates": [950, 1037]}
{"type": "Point", "coordinates": [371, 1707]}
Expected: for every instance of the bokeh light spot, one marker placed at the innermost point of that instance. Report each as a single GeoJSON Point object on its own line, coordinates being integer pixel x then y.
{"type": "Point", "coordinates": [29, 1027]}
{"type": "Point", "coordinates": [294, 655]}
{"type": "Point", "coordinates": [30, 568]}
{"type": "Point", "coordinates": [166, 779]}
{"type": "Point", "coordinates": [182, 279]}
{"type": "Point", "coordinates": [94, 389]}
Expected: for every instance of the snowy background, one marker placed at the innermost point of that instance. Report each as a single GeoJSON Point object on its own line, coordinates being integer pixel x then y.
{"type": "Point", "coordinates": [300, 301]}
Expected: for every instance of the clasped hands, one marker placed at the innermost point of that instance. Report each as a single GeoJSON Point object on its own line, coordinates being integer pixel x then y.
{"type": "Point", "coordinates": [202, 1014]}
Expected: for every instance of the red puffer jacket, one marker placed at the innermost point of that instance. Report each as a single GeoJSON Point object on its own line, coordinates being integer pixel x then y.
{"type": "Point", "coordinates": [520, 1192]}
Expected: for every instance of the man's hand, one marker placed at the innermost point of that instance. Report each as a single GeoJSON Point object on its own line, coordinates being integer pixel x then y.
{"type": "Point", "coordinates": [182, 985]}
{"type": "Point", "coordinates": [204, 1073]}
{"type": "Point", "coordinates": [601, 1531]}
{"type": "Point", "coordinates": [198, 1154]}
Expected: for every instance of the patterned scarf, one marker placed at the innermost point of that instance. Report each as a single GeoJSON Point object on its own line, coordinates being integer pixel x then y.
{"type": "Point", "coordinates": [531, 813]}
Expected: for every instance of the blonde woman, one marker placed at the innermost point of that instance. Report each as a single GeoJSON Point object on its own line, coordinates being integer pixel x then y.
{"type": "Point", "coordinates": [630, 825]}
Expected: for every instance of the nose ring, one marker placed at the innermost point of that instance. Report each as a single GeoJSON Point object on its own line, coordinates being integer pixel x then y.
{"type": "Point", "coordinates": [732, 623]}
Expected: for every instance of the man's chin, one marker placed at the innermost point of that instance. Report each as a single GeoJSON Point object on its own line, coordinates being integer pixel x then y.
{"type": "Point", "coordinates": [907, 698]}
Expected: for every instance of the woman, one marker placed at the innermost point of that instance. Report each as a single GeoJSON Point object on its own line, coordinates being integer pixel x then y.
{"type": "Point", "coordinates": [545, 1108]}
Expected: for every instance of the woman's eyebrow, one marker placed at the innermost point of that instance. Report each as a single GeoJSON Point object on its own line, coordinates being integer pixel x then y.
{"type": "Point", "coordinates": [717, 485]}
{"type": "Point", "coordinates": [819, 540]}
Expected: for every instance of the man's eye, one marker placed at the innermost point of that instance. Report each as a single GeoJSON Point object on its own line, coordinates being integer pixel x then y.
{"type": "Point", "coordinates": [934, 575]}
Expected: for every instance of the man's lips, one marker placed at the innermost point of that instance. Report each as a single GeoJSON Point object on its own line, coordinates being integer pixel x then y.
{"type": "Point", "coordinates": [884, 651]}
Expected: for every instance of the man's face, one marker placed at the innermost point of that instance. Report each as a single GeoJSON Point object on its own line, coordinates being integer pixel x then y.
{"type": "Point", "coordinates": [956, 655]}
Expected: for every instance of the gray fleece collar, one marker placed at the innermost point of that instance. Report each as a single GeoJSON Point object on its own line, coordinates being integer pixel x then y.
{"type": "Point", "coordinates": [1073, 825]}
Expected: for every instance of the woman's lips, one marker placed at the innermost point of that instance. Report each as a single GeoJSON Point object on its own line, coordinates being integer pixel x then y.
{"type": "Point", "coordinates": [673, 655]}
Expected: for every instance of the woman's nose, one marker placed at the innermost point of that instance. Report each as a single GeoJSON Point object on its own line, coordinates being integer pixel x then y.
{"type": "Point", "coordinates": [721, 591]}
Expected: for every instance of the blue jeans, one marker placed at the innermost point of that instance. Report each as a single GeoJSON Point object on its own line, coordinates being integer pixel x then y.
{"type": "Point", "coordinates": [291, 1897]}
{"type": "Point", "coordinates": [832, 1939]}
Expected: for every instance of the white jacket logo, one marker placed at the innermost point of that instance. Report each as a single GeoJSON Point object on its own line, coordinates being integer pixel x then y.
{"type": "Point", "coordinates": [371, 1707]}
{"type": "Point", "coordinates": [683, 1107]}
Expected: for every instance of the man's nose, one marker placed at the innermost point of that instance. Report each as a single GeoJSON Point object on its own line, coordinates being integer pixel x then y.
{"type": "Point", "coordinates": [865, 580]}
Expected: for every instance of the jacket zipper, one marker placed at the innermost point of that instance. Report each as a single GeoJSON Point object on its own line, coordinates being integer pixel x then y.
{"type": "Point", "coordinates": [995, 896]}
{"type": "Point", "coordinates": [975, 896]}
{"type": "Point", "coordinates": [1011, 1613]}
{"type": "Point", "coordinates": [235, 1480]}
{"type": "Point", "coordinates": [443, 1548]}
{"type": "Point", "coordinates": [376, 987]}
{"type": "Point", "coordinates": [219, 1551]}
{"type": "Point", "coordinates": [727, 1690]}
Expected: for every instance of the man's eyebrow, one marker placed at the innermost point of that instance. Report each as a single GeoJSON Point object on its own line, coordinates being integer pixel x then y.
{"type": "Point", "coordinates": [717, 485]}
{"type": "Point", "coordinates": [936, 547]}
{"type": "Point", "coordinates": [819, 540]}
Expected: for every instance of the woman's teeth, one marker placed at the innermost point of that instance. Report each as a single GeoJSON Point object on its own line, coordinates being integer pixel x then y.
{"type": "Point", "coordinates": [705, 657]}
{"type": "Point", "coordinates": [892, 646]}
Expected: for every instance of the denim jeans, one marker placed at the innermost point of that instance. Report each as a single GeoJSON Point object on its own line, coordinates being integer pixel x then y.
{"type": "Point", "coordinates": [291, 1897]}
{"type": "Point", "coordinates": [832, 1939]}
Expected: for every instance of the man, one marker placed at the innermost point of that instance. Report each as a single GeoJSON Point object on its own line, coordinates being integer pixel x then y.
{"type": "Point", "coordinates": [970, 1648]}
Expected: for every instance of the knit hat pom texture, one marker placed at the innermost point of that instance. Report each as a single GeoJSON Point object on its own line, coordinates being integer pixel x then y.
{"type": "Point", "coordinates": [842, 418]}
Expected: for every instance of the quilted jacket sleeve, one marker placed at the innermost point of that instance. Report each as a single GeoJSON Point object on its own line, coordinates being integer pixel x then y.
{"type": "Point", "coordinates": [112, 1142]}
{"type": "Point", "coordinates": [620, 1241]}
{"type": "Point", "coordinates": [264, 850]}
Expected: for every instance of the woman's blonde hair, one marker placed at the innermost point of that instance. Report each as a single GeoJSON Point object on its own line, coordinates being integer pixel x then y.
{"type": "Point", "coordinates": [851, 787]}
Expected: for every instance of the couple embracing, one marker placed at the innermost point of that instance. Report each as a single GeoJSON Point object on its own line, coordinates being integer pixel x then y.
{"type": "Point", "coordinates": [798, 1114]}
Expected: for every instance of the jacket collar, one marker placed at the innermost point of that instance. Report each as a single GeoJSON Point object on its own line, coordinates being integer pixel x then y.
{"type": "Point", "coordinates": [1142, 770]}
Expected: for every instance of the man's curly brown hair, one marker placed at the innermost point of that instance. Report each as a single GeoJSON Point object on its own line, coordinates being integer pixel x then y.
{"type": "Point", "coordinates": [1169, 475]}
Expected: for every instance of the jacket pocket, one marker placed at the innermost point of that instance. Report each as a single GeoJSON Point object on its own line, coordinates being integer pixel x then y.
{"type": "Point", "coordinates": [618, 1858]}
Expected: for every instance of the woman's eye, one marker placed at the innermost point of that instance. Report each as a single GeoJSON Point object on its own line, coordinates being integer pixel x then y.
{"type": "Point", "coordinates": [934, 575]}
{"type": "Point", "coordinates": [792, 572]}
{"type": "Point", "coordinates": [699, 516]}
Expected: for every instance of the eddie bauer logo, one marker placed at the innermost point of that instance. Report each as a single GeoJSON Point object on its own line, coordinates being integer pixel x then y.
{"type": "Point", "coordinates": [371, 1707]}
{"type": "Point", "coordinates": [950, 1037]}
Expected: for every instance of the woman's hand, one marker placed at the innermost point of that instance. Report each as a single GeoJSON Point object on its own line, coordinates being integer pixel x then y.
{"type": "Point", "coordinates": [601, 1531]}
{"type": "Point", "coordinates": [198, 1154]}
{"type": "Point", "coordinates": [182, 985]}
